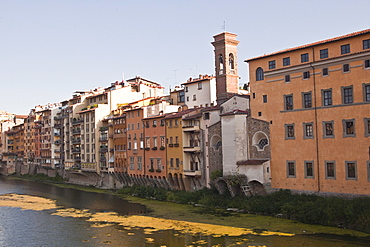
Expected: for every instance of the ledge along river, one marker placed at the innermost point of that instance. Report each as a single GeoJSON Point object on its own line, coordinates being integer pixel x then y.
{"type": "Point", "coordinates": [39, 214]}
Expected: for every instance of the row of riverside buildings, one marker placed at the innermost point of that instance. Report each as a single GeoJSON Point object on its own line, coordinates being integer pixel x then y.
{"type": "Point", "coordinates": [303, 124]}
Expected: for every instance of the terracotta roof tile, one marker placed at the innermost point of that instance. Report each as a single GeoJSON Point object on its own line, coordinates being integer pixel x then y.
{"type": "Point", "coordinates": [313, 44]}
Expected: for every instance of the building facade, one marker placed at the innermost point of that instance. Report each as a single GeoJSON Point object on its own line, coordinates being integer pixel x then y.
{"type": "Point", "coordinates": [316, 98]}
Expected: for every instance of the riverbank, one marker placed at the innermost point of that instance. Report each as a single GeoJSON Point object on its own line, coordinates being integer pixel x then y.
{"type": "Point", "coordinates": [191, 213]}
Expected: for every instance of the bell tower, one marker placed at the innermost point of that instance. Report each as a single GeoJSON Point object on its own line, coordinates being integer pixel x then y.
{"type": "Point", "coordinates": [226, 66]}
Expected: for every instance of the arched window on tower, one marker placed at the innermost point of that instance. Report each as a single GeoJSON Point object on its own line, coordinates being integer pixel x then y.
{"type": "Point", "coordinates": [259, 74]}
{"type": "Point", "coordinates": [221, 62]}
{"type": "Point", "coordinates": [231, 61]}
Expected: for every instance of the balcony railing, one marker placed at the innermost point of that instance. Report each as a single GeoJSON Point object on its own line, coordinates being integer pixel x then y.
{"type": "Point", "coordinates": [77, 121]}
{"type": "Point", "coordinates": [76, 141]}
{"type": "Point", "coordinates": [191, 128]}
{"type": "Point", "coordinates": [191, 149]}
{"type": "Point", "coordinates": [76, 150]}
{"type": "Point", "coordinates": [103, 149]}
{"type": "Point", "coordinates": [103, 139]}
{"type": "Point", "coordinates": [58, 142]}
{"type": "Point", "coordinates": [192, 173]}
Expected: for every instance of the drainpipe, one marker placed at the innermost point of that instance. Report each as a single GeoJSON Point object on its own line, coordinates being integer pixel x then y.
{"type": "Point", "coordinates": [316, 122]}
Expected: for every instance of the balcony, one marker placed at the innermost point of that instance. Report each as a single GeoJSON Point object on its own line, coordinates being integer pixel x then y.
{"type": "Point", "coordinates": [57, 126]}
{"type": "Point", "coordinates": [76, 131]}
{"type": "Point", "coordinates": [58, 142]}
{"type": "Point", "coordinates": [76, 150]}
{"type": "Point", "coordinates": [56, 118]}
{"type": "Point", "coordinates": [191, 173]}
{"type": "Point", "coordinates": [191, 149]}
{"type": "Point", "coordinates": [103, 159]}
{"type": "Point", "coordinates": [77, 159]}
{"type": "Point", "coordinates": [103, 139]}
{"type": "Point", "coordinates": [190, 128]}
{"type": "Point", "coordinates": [105, 128]}
{"type": "Point", "coordinates": [77, 121]}
{"type": "Point", "coordinates": [76, 141]}
{"type": "Point", "coordinates": [103, 149]}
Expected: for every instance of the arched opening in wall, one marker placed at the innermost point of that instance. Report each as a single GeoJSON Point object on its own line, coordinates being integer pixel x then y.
{"type": "Point", "coordinates": [216, 143]}
{"type": "Point", "coordinates": [231, 61]}
{"type": "Point", "coordinates": [260, 140]}
{"type": "Point", "coordinates": [222, 187]}
{"type": "Point", "coordinates": [259, 74]}
{"type": "Point", "coordinates": [221, 63]}
{"type": "Point", "coordinates": [176, 183]}
{"type": "Point", "coordinates": [256, 188]}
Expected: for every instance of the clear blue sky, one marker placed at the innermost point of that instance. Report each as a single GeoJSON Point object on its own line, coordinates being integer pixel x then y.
{"type": "Point", "coordinates": [50, 48]}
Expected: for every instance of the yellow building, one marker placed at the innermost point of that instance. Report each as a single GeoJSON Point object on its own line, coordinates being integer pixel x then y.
{"type": "Point", "coordinates": [317, 100]}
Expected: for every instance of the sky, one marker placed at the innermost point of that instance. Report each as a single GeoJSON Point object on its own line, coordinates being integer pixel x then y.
{"type": "Point", "coordinates": [51, 48]}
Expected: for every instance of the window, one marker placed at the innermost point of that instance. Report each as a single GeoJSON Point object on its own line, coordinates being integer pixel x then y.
{"type": "Point", "coordinates": [349, 128]}
{"type": "Point", "coordinates": [366, 89]}
{"type": "Point", "coordinates": [367, 126]}
{"type": "Point", "coordinates": [206, 116]}
{"type": "Point", "coordinates": [288, 99]}
{"type": "Point", "coordinates": [304, 58]}
{"type": "Point", "coordinates": [186, 89]}
{"type": "Point", "coordinates": [187, 98]}
{"type": "Point", "coordinates": [139, 163]}
{"type": "Point", "coordinates": [264, 98]}
{"type": "Point", "coordinates": [307, 130]}
{"type": "Point", "coordinates": [347, 95]}
{"type": "Point", "coordinates": [182, 96]}
{"type": "Point", "coordinates": [328, 129]}
{"type": "Point", "coordinates": [366, 44]}
{"type": "Point", "coordinates": [351, 173]}
{"type": "Point", "coordinates": [306, 74]}
{"type": "Point", "coordinates": [330, 169]}
{"type": "Point", "coordinates": [129, 145]}
{"type": "Point", "coordinates": [132, 165]}
{"type": "Point", "coordinates": [287, 78]}
{"type": "Point", "coordinates": [289, 132]}
{"type": "Point", "coordinates": [290, 169]}
{"type": "Point", "coordinates": [325, 71]}
{"type": "Point", "coordinates": [307, 100]}
{"type": "Point", "coordinates": [367, 63]}
{"type": "Point", "coordinates": [154, 123]}
{"type": "Point", "coordinates": [326, 97]}
{"type": "Point", "coordinates": [272, 64]}
{"type": "Point", "coordinates": [286, 61]}
{"type": "Point", "coordinates": [231, 61]}
{"type": "Point", "coordinates": [324, 53]}
{"type": "Point", "coordinates": [171, 162]}
{"type": "Point", "coordinates": [308, 168]}
{"type": "Point", "coordinates": [199, 85]}
{"type": "Point", "coordinates": [345, 49]}
{"type": "Point", "coordinates": [159, 164]}
{"type": "Point", "coordinates": [346, 67]}
{"type": "Point", "coordinates": [147, 143]}
{"type": "Point", "coordinates": [259, 74]}
{"type": "Point", "coordinates": [177, 162]}
{"type": "Point", "coordinates": [194, 97]}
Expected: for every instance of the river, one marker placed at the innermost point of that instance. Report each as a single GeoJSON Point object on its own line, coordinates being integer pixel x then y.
{"type": "Point", "coordinates": [77, 218]}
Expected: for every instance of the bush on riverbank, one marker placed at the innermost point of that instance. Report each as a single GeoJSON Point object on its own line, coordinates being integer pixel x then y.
{"type": "Point", "coordinates": [311, 209]}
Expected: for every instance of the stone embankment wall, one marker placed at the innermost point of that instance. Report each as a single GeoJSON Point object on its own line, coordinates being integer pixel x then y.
{"type": "Point", "coordinates": [104, 180]}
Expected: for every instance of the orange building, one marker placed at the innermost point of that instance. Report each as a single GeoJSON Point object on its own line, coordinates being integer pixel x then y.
{"type": "Point", "coordinates": [155, 151]}
{"type": "Point", "coordinates": [317, 100]}
{"type": "Point", "coordinates": [135, 142]}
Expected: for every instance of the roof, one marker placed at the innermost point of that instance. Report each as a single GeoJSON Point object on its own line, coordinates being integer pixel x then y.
{"type": "Point", "coordinates": [313, 44]}
{"type": "Point", "coordinates": [234, 112]}
{"type": "Point", "coordinates": [156, 116]}
{"type": "Point", "coordinates": [250, 162]}
{"type": "Point", "coordinates": [180, 114]}
{"type": "Point", "coordinates": [200, 79]}
{"type": "Point", "coordinates": [198, 115]}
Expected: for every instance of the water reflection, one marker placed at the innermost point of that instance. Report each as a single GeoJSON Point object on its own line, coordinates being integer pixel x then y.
{"type": "Point", "coordinates": [43, 228]}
